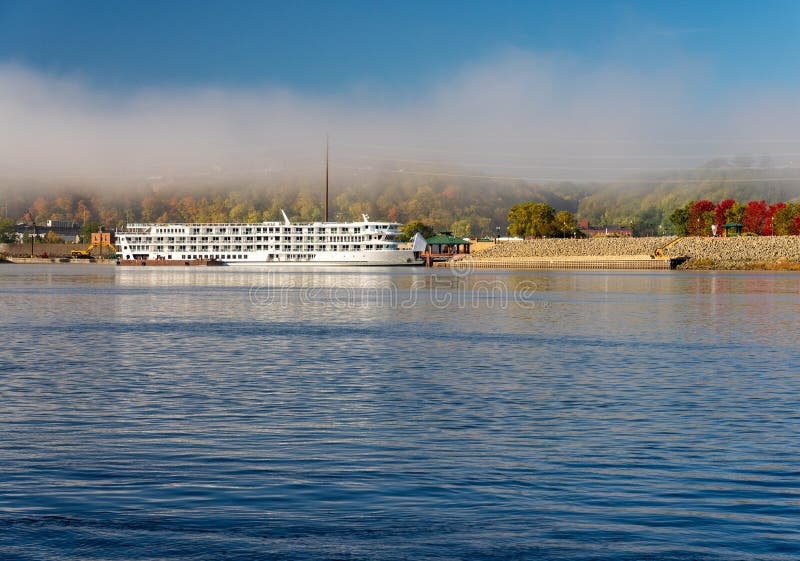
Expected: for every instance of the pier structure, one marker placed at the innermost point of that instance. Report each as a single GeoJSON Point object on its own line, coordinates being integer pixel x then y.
{"type": "Point", "coordinates": [444, 246]}
{"type": "Point", "coordinates": [629, 262]}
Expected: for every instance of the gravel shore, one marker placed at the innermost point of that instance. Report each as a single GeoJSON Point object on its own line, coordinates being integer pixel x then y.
{"type": "Point", "coordinates": [746, 252]}
{"type": "Point", "coordinates": [557, 247]}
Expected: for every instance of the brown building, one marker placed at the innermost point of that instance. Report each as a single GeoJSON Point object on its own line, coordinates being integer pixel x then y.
{"type": "Point", "coordinates": [99, 238]}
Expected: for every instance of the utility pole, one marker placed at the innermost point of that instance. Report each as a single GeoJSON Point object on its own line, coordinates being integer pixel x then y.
{"type": "Point", "coordinates": [327, 159]}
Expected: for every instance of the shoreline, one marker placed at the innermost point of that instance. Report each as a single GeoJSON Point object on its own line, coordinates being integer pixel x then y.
{"type": "Point", "coordinates": [582, 263]}
{"type": "Point", "coordinates": [711, 265]}
{"type": "Point", "coordinates": [54, 261]}
{"type": "Point", "coordinates": [745, 253]}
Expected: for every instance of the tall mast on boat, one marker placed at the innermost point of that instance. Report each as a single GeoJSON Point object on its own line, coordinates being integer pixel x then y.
{"type": "Point", "coordinates": [327, 154]}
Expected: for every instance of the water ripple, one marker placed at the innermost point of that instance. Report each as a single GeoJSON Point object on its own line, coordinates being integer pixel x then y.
{"type": "Point", "coordinates": [166, 415]}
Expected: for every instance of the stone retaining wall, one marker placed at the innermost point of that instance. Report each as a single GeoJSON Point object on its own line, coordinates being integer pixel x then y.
{"type": "Point", "coordinates": [734, 249]}
{"type": "Point", "coordinates": [555, 247]}
{"type": "Point", "coordinates": [52, 249]}
{"type": "Point", "coordinates": [745, 248]}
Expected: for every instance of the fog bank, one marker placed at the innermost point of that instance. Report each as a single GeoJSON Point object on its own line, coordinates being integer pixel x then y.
{"type": "Point", "coordinates": [518, 114]}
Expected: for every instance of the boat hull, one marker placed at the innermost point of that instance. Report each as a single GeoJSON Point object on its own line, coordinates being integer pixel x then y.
{"type": "Point", "coordinates": [337, 258]}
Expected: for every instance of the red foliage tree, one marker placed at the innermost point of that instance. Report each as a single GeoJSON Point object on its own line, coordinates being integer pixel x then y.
{"type": "Point", "coordinates": [719, 213]}
{"type": "Point", "coordinates": [755, 215]}
{"type": "Point", "coordinates": [698, 218]}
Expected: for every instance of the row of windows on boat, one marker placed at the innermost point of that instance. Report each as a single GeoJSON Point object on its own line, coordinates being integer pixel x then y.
{"type": "Point", "coordinates": [233, 257]}
{"type": "Point", "coordinates": [271, 229]}
{"type": "Point", "coordinates": [290, 238]}
{"type": "Point", "coordinates": [344, 247]}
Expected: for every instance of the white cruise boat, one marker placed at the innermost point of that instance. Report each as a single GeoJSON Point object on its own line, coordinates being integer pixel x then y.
{"type": "Point", "coordinates": [330, 243]}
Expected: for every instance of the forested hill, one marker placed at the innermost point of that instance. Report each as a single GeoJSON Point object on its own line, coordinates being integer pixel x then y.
{"type": "Point", "coordinates": [647, 202]}
{"type": "Point", "coordinates": [446, 201]}
{"type": "Point", "coordinates": [455, 200]}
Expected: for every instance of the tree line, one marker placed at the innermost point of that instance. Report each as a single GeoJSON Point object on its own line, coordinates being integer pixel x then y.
{"type": "Point", "coordinates": [467, 205]}
{"type": "Point", "coordinates": [540, 220]}
{"type": "Point", "coordinates": [700, 218]}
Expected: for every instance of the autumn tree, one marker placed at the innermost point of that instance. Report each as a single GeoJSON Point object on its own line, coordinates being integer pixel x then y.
{"type": "Point", "coordinates": [83, 211]}
{"type": "Point", "coordinates": [701, 216]}
{"type": "Point", "coordinates": [308, 207]}
{"type": "Point", "coordinates": [720, 217]}
{"type": "Point", "coordinates": [152, 208]}
{"type": "Point", "coordinates": [754, 217]}
{"type": "Point", "coordinates": [786, 220]}
{"type": "Point", "coordinates": [40, 210]}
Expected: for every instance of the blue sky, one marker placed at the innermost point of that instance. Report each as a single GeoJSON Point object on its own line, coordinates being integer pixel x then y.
{"type": "Point", "coordinates": [542, 91]}
{"type": "Point", "coordinates": [329, 46]}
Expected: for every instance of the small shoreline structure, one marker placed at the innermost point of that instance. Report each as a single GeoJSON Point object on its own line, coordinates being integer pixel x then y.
{"type": "Point", "coordinates": [686, 253]}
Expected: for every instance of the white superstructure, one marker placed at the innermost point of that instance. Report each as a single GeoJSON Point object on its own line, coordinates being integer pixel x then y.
{"type": "Point", "coordinates": [341, 243]}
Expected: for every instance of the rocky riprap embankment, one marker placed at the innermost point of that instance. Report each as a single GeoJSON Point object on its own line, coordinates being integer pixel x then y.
{"type": "Point", "coordinates": [51, 249]}
{"type": "Point", "coordinates": [745, 248]}
{"type": "Point", "coordinates": [555, 247]}
{"type": "Point", "coordinates": [706, 253]}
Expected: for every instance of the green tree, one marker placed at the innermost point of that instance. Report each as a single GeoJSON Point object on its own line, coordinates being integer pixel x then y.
{"type": "Point", "coordinates": [532, 220]}
{"type": "Point", "coordinates": [461, 228]}
{"type": "Point", "coordinates": [88, 229]}
{"type": "Point", "coordinates": [680, 218]}
{"type": "Point", "coordinates": [7, 230]}
{"type": "Point", "coordinates": [735, 214]}
{"type": "Point", "coordinates": [415, 226]}
{"type": "Point", "coordinates": [565, 221]}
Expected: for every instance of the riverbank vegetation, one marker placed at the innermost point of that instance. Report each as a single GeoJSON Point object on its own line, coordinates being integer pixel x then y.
{"type": "Point", "coordinates": [757, 218]}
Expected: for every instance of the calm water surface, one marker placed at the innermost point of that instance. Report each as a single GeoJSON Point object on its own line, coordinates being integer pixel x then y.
{"type": "Point", "coordinates": [398, 414]}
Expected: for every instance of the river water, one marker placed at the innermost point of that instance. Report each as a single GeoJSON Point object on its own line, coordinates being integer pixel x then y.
{"type": "Point", "coordinates": [239, 413]}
